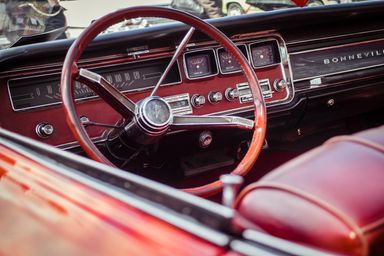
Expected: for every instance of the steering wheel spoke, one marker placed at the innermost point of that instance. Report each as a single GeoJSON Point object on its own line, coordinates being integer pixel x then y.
{"type": "Point", "coordinates": [175, 56]}
{"type": "Point", "coordinates": [211, 122]}
{"type": "Point", "coordinates": [108, 92]}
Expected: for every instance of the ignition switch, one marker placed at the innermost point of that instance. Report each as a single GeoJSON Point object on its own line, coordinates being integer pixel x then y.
{"type": "Point", "coordinates": [205, 139]}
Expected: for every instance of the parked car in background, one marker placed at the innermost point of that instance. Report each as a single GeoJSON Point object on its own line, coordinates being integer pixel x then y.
{"type": "Point", "coordinates": [201, 8]}
{"type": "Point", "coordinates": [239, 7]}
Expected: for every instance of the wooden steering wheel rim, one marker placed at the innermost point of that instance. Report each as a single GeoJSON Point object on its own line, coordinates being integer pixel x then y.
{"type": "Point", "coordinates": [70, 72]}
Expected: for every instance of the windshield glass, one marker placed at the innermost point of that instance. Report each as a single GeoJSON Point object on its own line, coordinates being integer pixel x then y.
{"type": "Point", "coordinates": [55, 19]}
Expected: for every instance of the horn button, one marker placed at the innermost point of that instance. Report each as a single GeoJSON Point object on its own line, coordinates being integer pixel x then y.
{"type": "Point", "coordinates": [154, 115]}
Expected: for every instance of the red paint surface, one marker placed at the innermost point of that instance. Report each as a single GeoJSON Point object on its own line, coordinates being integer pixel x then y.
{"type": "Point", "coordinates": [44, 213]}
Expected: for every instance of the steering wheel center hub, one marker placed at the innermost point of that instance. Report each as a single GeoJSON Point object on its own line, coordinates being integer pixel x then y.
{"type": "Point", "coordinates": [154, 115]}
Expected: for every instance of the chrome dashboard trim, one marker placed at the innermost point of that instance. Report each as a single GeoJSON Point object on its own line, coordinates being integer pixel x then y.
{"type": "Point", "coordinates": [284, 64]}
{"type": "Point", "coordinates": [179, 97]}
{"type": "Point", "coordinates": [339, 83]}
{"type": "Point", "coordinates": [337, 73]}
{"type": "Point", "coordinates": [336, 47]}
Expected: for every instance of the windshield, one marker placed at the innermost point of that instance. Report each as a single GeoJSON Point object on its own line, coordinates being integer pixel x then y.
{"type": "Point", "coordinates": [54, 19]}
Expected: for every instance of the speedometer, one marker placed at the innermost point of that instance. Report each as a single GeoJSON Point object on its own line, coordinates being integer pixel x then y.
{"type": "Point", "coordinates": [199, 65]}
{"type": "Point", "coordinates": [265, 54]}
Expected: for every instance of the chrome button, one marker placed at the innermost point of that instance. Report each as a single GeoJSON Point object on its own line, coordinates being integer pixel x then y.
{"type": "Point", "coordinates": [231, 94]}
{"type": "Point", "coordinates": [198, 100]}
{"type": "Point", "coordinates": [44, 130]}
{"type": "Point", "coordinates": [280, 84]}
{"type": "Point", "coordinates": [215, 97]}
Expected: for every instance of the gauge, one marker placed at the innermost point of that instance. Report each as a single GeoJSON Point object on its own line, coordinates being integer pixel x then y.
{"type": "Point", "coordinates": [228, 63]}
{"type": "Point", "coordinates": [265, 54]}
{"type": "Point", "coordinates": [200, 64]}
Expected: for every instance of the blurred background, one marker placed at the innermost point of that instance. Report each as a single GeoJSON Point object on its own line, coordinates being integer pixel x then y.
{"type": "Point", "coordinates": [20, 18]}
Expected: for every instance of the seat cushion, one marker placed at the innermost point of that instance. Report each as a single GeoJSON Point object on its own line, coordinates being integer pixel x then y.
{"type": "Point", "coordinates": [331, 197]}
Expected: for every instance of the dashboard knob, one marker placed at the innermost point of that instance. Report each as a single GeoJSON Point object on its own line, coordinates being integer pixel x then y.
{"type": "Point", "coordinates": [198, 100]}
{"type": "Point", "coordinates": [280, 84]}
{"type": "Point", "coordinates": [44, 130]}
{"type": "Point", "coordinates": [215, 97]}
{"type": "Point", "coordinates": [231, 94]}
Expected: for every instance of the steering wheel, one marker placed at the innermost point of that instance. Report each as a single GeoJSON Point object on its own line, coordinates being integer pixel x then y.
{"type": "Point", "coordinates": [152, 117]}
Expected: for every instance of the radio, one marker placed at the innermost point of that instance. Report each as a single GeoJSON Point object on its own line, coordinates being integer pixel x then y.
{"type": "Point", "coordinates": [180, 104]}
{"type": "Point", "coordinates": [245, 94]}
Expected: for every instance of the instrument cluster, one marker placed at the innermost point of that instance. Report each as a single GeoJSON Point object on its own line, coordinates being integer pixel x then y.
{"type": "Point", "coordinates": [209, 62]}
{"type": "Point", "coordinates": [266, 55]}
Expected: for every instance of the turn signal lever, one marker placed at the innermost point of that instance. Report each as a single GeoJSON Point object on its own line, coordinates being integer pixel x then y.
{"type": "Point", "coordinates": [231, 185]}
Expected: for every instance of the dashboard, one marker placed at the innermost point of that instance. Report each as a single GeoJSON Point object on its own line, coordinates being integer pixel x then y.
{"type": "Point", "coordinates": [299, 72]}
{"type": "Point", "coordinates": [206, 80]}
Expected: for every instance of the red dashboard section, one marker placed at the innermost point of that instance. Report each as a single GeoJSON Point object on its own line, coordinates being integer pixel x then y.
{"type": "Point", "coordinates": [25, 121]}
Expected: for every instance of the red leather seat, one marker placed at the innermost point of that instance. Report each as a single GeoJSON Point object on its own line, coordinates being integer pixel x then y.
{"type": "Point", "coordinates": [331, 197]}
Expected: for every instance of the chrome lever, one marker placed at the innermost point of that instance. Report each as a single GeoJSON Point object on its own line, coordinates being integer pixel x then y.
{"type": "Point", "coordinates": [231, 185]}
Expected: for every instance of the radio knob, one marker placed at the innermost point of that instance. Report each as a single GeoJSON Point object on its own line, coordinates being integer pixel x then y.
{"type": "Point", "coordinates": [231, 94]}
{"type": "Point", "coordinates": [215, 97]}
{"type": "Point", "coordinates": [44, 130]}
{"type": "Point", "coordinates": [280, 84]}
{"type": "Point", "coordinates": [198, 100]}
